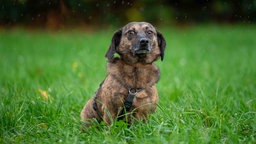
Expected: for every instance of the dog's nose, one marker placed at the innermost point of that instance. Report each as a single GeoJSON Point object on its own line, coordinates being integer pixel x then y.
{"type": "Point", "coordinates": [143, 46]}
{"type": "Point", "coordinates": [144, 42]}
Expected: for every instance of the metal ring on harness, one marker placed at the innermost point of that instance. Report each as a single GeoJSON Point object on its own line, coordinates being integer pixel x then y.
{"type": "Point", "coordinates": [132, 93]}
{"type": "Point", "coordinates": [136, 91]}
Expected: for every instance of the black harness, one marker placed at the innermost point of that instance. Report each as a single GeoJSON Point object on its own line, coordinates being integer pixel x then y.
{"type": "Point", "coordinates": [127, 104]}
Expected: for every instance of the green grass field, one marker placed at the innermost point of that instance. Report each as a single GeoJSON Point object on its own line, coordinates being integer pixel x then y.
{"type": "Point", "coordinates": [207, 89]}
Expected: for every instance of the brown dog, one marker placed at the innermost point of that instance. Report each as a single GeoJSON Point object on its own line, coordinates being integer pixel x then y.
{"type": "Point", "coordinates": [129, 89]}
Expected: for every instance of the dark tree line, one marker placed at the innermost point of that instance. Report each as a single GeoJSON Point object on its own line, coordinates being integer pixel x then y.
{"type": "Point", "coordinates": [57, 13]}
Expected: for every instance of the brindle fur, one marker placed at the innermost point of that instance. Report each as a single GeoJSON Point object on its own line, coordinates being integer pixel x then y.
{"type": "Point", "coordinates": [129, 70]}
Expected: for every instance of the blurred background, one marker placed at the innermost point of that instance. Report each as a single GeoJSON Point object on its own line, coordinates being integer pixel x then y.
{"type": "Point", "coordinates": [61, 14]}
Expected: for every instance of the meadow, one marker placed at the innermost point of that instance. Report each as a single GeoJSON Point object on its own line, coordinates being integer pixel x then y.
{"type": "Point", "coordinates": [207, 89]}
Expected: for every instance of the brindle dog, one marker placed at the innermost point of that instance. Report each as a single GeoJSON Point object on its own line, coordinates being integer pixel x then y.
{"type": "Point", "coordinates": [129, 89]}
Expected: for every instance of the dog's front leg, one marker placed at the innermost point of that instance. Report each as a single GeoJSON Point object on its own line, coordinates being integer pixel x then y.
{"type": "Point", "coordinates": [109, 115]}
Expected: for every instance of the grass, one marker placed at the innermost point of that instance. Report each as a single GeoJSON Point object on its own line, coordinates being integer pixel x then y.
{"type": "Point", "coordinates": [207, 89]}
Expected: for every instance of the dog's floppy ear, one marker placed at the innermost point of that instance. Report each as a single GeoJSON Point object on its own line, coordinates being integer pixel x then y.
{"type": "Point", "coordinates": [161, 44]}
{"type": "Point", "coordinates": [114, 43]}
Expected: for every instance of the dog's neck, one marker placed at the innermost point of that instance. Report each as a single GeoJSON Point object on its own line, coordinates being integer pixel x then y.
{"type": "Point", "coordinates": [132, 63]}
{"type": "Point", "coordinates": [136, 75]}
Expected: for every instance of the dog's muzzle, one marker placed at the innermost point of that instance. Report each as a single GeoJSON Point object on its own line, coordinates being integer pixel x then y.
{"type": "Point", "coordinates": [143, 46]}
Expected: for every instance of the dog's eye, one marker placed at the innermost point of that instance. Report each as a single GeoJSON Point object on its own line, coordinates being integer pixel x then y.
{"type": "Point", "coordinates": [131, 32]}
{"type": "Point", "coordinates": [149, 32]}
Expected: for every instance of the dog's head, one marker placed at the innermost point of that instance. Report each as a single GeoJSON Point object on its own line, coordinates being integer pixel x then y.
{"type": "Point", "coordinates": [137, 42]}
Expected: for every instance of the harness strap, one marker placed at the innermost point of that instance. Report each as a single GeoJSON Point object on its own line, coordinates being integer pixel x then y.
{"type": "Point", "coordinates": [129, 99]}
{"type": "Point", "coordinates": [95, 105]}
{"type": "Point", "coordinates": [95, 108]}
{"type": "Point", "coordinates": [128, 102]}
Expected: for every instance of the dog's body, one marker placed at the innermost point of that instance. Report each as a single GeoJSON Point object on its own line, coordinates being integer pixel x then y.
{"type": "Point", "coordinates": [131, 78]}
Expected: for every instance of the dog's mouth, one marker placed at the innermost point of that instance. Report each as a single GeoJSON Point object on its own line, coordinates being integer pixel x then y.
{"type": "Point", "coordinates": [142, 51]}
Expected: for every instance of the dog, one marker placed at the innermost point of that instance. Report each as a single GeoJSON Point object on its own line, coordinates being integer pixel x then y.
{"type": "Point", "coordinates": [129, 91]}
